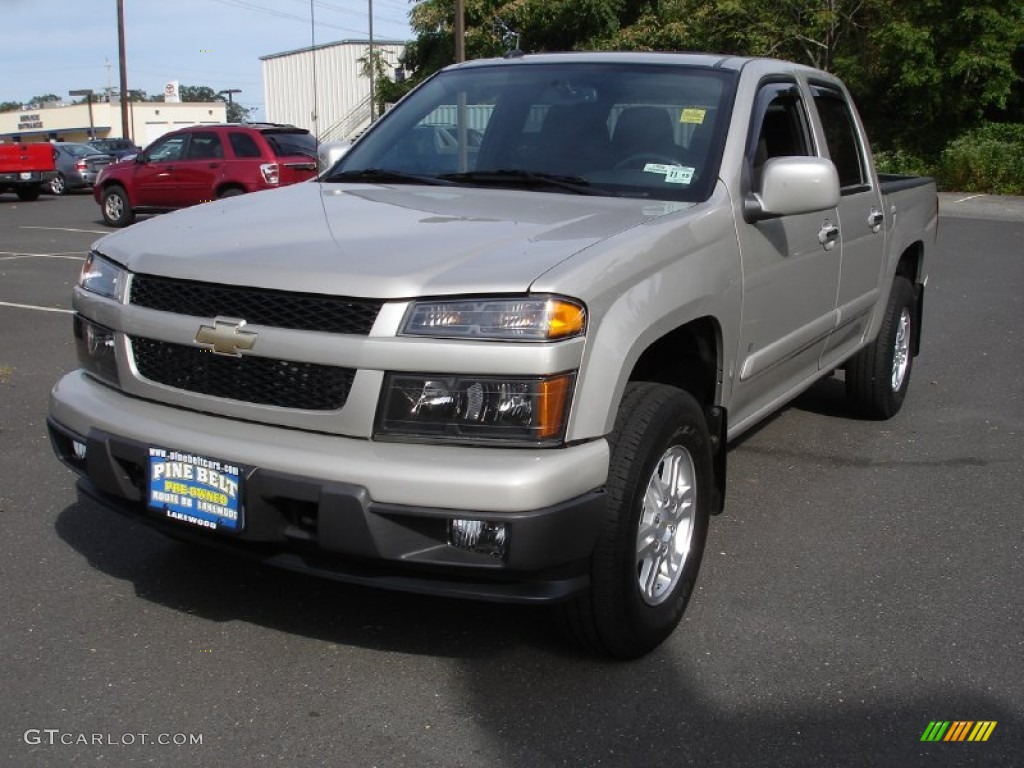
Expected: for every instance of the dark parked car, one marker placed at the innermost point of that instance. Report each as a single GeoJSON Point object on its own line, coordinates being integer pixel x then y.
{"type": "Point", "coordinates": [202, 163]}
{"type": "Point", "coordinates": [116, 148]}
{"type": "Point", "coordinates": [78, 165]}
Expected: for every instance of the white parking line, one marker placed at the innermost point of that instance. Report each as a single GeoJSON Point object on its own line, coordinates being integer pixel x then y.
{"type": "Point", "coordinates": [69, 229]}
{"type": "Point", "coordinates": [72, 255]}
{"type": "Point", "coordinates": [40, 309]}
{"type": "Point", "coordinates": [969, 197]}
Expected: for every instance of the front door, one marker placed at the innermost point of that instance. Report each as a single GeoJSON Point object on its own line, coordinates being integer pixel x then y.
{"type": "Point", "coordinates": [155, 180]}
{"type": "Point", "coordinates": [790, 268]}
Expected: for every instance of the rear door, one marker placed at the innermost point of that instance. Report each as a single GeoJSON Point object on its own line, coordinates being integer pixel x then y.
{"type": "Point", "coordinates": [790, 265]}
{"type": "Point", "coordinates": [861, 220]}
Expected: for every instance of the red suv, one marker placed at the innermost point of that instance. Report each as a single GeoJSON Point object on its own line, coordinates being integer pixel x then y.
{"type": "Point", "coordinates": [203, 163]}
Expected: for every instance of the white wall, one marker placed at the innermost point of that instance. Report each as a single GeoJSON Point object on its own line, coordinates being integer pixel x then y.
{"type": "Point", "coordinates": [342, 90]}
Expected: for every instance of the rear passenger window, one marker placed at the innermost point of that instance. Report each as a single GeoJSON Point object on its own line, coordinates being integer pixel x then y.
{"type": "Point", "coordinates": [841, 136]}
{"type": "Point", "coordinates": [204, 145]}
{"type": "Point", "coordinates": [244, 145]}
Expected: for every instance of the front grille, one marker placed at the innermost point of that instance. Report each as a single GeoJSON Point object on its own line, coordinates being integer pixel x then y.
{"type": "Point", "coordinates": [261, 380]}
{"type": "Point", "coordinates": [257, 306]}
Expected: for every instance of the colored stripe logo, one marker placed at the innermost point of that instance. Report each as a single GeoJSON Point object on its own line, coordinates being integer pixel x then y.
{"type": "Point", "coordinates": [958, 730]}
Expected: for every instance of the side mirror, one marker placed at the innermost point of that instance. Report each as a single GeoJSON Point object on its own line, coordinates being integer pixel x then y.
{"type": "Point", "coordinates": [331, 152]}
{"type": "Point", "coordinates": [141, 158]}
{"type": "Point", "coordinates": [793, 185]}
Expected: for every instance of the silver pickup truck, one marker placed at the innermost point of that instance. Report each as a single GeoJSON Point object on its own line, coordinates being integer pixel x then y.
{"type": "Point", "coordinates": [499, 349]}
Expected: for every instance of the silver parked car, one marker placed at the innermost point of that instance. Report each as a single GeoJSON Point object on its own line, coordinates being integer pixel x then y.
{"type": "Point", "coordinates": [78, 165]}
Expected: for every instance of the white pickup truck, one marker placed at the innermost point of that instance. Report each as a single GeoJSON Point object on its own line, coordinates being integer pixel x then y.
{"type": "Point", "coordinates": [498, 351]}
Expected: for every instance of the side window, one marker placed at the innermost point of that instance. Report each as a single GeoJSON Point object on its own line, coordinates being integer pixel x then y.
{"type": "Point", "coordinates": [780, 127]}
{"type": "Point", "coordinates": [841, 136]}
{"type": "Point", "coordinates": [169, 149]}
{"type": "Point", "coordinates": [205, 145]}
{"type": "Point", "coordinates": [244, 145]}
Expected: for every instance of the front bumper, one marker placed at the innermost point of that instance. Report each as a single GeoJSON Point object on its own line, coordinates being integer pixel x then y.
{"type": "Point", "coordinates": [339, 524]}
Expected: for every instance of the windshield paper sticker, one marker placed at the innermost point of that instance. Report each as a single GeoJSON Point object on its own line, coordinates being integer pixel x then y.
{"type": "Point", "coordinates": [193, 489]}
{"type": "Point", "coordinates": [674, 174]}
{"type": "Point", "coordinates": [693, 115]}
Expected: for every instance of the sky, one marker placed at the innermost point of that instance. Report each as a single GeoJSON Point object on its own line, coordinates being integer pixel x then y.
{"type": "Point", "coordinates": [53, 46]}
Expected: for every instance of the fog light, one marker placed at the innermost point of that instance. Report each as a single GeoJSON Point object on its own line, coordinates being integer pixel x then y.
{"type": "Point", "coordinates": [95, 345]}
{"type": "Point", "coordinates": [478, 536]}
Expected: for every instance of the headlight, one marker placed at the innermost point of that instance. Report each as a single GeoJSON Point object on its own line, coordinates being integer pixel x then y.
{"type": "Point", "coordinates": [527, 411]}
{"type": "Point", "coordinates": [103, 277]}
{"type": "Point", "coordinates": [543, 318]}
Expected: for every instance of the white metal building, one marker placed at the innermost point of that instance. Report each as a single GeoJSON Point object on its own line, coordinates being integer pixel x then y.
{"type": "Point", "coordinates": [342, 106]}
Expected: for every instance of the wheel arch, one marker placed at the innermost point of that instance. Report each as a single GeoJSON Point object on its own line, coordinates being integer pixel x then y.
{"type": "Point", "coordinates": [690, 357]}
{"type": "Point", "coordinates": [911, 267]}
{"type": "Point", "coordinates": [226, 185]}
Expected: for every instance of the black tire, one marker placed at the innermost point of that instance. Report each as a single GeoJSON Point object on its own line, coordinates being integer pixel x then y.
{"type": "Point", "coordinates": [877, 377]}
{"type": "Point", "coordinates": [656, 426]}
{"type": "Point", "coordinates": [231, 192]}
{"type": "Point", "coordinates": [117, 210]}
{"type": "Point", "coordinates": [59, 185]}
{"type": "Point", "coordinates": [28, 194]}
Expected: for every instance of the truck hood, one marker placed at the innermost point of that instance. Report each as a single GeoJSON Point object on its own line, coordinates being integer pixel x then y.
{"type": "Point", "coordinates": [377, 241]}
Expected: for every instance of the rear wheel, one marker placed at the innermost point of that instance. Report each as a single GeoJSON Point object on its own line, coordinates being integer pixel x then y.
{"type": "Point", "coordinates": [58, 184]}
{"type": "Point", "coordinates": [877, 377]}
{"type": "Point", "coordinates": [659, 492]}
{"type": "Point", "coordinates": [28, 194]}
{"type": "Point", "coordinates": [117, 211]}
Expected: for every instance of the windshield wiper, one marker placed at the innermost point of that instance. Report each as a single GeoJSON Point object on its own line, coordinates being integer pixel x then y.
{"type": "Point", "coordinates": [516, 177]}
{"type": "Point", "coordinates": [384, 175]}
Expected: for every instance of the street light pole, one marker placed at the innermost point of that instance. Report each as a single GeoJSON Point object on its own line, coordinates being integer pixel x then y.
{"type": "Point", "coordinates": [230, 92]}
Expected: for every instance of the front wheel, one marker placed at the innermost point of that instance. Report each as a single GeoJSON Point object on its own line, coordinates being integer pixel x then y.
{"type": "Point", "coordinates": [877, 377]}
{"type": "Point", "coordinates": [659, 497]}
{"type": "Point", "coordinates": [117, 211]}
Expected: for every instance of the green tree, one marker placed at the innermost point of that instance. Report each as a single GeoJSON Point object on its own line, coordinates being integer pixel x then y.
{"type": "Point", "coordinates": [10, 106]}
{"type": "Point", "coordinates": [922, 71]}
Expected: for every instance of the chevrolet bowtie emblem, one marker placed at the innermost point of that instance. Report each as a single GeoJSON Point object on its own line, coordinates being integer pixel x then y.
{"type": "Point", "coordinates": [226, 337]}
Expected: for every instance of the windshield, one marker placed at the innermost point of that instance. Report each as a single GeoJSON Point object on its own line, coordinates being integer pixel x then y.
{"type": "Point", "coordinates": [639, 130]}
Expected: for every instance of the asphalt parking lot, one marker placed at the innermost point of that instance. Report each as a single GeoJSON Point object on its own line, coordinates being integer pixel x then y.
{"type": "Point", "coordinates": [865, 580]}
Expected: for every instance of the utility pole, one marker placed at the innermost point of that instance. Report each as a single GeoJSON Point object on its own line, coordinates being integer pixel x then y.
{"type": "Point", "coordinates": [460, 31]}
{"type": "Point", "coordinates": [125, 130]}
{"type": "Point", "coordinates": [373, 70]}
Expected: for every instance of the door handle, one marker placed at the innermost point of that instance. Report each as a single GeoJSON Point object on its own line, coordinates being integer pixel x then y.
{"type": "Point", "coordinates": [828, 236]}
{"type": "Point", "coordinates": [875, 219]}
{"type": "Point", "coordinates": [215, 165]}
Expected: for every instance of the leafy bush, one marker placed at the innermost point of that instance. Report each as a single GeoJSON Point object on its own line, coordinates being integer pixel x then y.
{"type": "Point", "coordinates": [903, 162]}
{"type": "Point", "coordinates": [987, 159]}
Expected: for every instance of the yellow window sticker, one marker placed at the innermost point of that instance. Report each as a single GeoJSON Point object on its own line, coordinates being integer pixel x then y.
{"type": "Point", "coordinates": [693, 115]}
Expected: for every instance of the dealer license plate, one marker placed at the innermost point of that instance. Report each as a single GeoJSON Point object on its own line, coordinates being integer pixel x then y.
{"type": "Point", "coordinates": [195, 490]}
